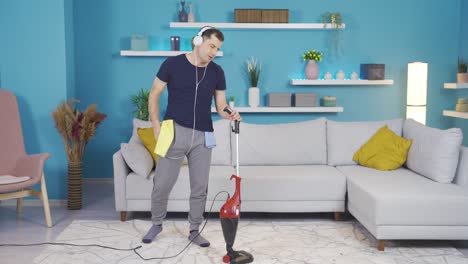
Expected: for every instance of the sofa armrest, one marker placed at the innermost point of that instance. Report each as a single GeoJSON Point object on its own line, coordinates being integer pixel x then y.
{"type": "Point", "coordinates": [121, 171]}
{"type": "Point", "coordinates": [461, 176]}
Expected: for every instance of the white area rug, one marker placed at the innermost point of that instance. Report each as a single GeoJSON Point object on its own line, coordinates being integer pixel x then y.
{"type": "Point", "coordinates": [270, 242]}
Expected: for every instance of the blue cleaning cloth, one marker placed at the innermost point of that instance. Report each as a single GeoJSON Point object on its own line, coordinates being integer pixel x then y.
{"type": "Point", "coordinates": [210, 141]}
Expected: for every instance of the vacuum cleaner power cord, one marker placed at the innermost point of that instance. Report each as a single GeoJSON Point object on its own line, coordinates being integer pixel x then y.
{"type": "Point", "coordinates": [123, 249]}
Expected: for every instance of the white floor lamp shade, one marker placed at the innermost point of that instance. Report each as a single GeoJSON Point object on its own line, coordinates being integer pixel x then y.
{"type": "Point", "coordinates": [417, 92]}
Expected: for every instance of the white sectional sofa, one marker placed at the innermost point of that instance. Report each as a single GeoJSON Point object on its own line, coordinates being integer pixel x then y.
{"type": "Point", "coordinates": [308, 167]}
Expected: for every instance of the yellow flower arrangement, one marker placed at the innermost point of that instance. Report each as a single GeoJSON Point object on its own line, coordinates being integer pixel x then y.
{"type": "Point", "coordinates": [312, 55]}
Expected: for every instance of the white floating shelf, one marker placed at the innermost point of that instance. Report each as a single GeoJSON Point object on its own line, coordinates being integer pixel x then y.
{"type": "Point", "coordinates": [456, 114]}
{"type": "Point", "coordinates": [255, 25]}
{"type": "Point", "coordinates": [286, 109]}
{"type": "Point", "coordinates": [340, 82]}
{"type": "Point", "coordinates": [157, 53]}
{"type": "Point", "coordinates": [455, 85]}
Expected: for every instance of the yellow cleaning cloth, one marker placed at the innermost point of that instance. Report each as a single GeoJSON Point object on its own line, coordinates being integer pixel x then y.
{"type": "Point", "coordinates": [166, 136]}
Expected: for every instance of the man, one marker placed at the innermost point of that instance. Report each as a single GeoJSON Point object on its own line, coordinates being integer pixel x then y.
{"type": "Point", "coordinates": [192, 80]}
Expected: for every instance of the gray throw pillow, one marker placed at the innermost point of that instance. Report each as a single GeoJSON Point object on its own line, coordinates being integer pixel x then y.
{"type": "Point", "coordinates": [434, 152]}
{"type": "Point", "coordinates": [138, 159]}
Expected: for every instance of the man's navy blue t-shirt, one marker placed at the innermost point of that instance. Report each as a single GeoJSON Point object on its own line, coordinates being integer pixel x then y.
{"type": "Point", "coordinates": [179, 74]}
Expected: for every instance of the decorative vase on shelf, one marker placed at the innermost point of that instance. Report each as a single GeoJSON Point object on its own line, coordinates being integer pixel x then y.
{"type": "Point", "coordinates": [191, 17]}
{"type": "Point", "coordinates": [183, 17]}
{"type": "Point", "coordinates": [328, 76]}
{"type": "Point", "coordinates": [231, 104]}
{"type": "Point", "coordinates": [354, 76]}
{"type": "Point", "coordinates": [340, 75]}
{"type": "Point", "coordinates": [254, 96]}
{"type": "Point", "coordinates": [312, 70]}
{"type": "Point", "coordinates": [462, 77]}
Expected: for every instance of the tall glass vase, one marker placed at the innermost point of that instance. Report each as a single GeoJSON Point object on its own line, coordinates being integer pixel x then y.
{"type": "Point", "coordinates": [74, 185]}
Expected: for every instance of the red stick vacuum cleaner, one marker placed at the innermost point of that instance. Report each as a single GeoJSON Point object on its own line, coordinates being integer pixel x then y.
{"type": "Point", "coordinates": [230, 213]}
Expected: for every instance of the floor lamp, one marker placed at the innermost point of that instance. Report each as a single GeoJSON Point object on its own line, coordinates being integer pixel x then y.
{"type": "Point", "coordinates": [417, 92]}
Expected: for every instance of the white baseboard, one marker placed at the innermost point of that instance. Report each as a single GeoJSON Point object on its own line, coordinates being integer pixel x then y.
{"type": "Point", "coordinates": [56, 202]}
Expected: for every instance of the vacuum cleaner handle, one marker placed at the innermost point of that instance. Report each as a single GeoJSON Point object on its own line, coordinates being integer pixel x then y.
{"type": "Point", "coordinates": [228, 110]}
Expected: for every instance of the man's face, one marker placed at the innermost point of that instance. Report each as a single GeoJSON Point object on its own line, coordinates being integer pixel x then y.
{"type": "Point", "coordinates": [208, 49]}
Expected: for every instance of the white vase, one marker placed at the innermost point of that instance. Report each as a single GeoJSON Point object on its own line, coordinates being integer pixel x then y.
{"type": "Point", "coordinates": [340, 75]}
{"type": "Point", "coordinates": [231, 104]}
{"type": "Point", "coordinates": [254, 96]}
{"type": "Point", "coordinates": [191, 17]}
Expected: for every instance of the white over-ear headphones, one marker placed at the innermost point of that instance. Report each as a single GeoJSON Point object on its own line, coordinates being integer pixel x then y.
{"type": "Point", "coordinates": [198, 39]}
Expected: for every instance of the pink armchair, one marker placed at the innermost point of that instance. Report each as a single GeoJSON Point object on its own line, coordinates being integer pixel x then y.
{"type": "Point", "coordinates": [18, 170]}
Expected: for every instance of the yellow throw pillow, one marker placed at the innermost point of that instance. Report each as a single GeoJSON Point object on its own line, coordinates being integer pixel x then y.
{"type": "Point", "coordinates": [147, 137]}
{"type": "Point", "coordinates": [385, 150]}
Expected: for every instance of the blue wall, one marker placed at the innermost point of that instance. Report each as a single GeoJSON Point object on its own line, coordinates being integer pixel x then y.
{"type": "Point", "coordinates": [463, 52]}
{"type": "Point", "coordinates": [391, 32]}
{"type": "Point", "coordinates": [33, 65]}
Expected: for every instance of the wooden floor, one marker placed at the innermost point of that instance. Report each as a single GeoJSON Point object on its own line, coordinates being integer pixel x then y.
{"type": "Point", "coordinates": [98, 203]}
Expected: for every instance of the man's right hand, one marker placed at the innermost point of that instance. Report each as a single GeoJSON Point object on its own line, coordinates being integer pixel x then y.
{"type": "Point", "coordinates": [156, 129]}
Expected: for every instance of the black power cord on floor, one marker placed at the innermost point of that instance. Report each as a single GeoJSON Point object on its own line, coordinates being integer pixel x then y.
{"type": "Point", "coordinates": [122, 249]}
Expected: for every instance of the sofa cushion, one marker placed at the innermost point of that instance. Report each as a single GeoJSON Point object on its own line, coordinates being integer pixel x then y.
{"type": "Point", "coordinates": [434, 152]}
{"type": "Point", "coordinates": [138, 187]}
{"type": "Point", "coordinates": [137, 158]}
{"type": "Point", "coordinates": [345, 138]}
{"type": "Point", "coordinates": [292, 183]}
{"type": "Point", "coordinates": [402, 197]}
{"type": "Point", "coordinates": [461, 177]}
{"type": "Point", "coordinates": [384, 151]}
{"type": "Point", "coordinates": [137, 123]}
{"type": "Point", "coordinates": [298, 143]}
{"type": "Point", "coordinates": [221, 154]}
{"type": "Point", "coordinates": [146, 136]}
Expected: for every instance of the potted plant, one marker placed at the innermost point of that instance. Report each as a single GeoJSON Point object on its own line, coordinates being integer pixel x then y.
{"type": "Point", "coordinates": [336, 21]}
{"type": "Point", "coordinates": [140, 102]}
{"type": "Point", "coordinates": [253, 70]}
{"type": "Point", "coordinates": [312, 70]}
{"type": "Point", "coordinates": [332, 18]}
{"type": "Point", "coordinates": [231, 101]}
{"type": "Point", "coordinates": [76, 128]}
{"type": "Point", "coordinates": [462, 76]}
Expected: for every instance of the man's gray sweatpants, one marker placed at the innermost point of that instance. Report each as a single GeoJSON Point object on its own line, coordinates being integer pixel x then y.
{"type": "Point", "coordinates": [167, 172]}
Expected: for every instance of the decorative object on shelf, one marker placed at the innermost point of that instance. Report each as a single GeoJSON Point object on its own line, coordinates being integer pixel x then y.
{"type": "Point", "coordinates": [328, 76]}
{"type": "Point", "coordinates": [261, 15]}
{"type": "Point", "coordinates": [139, 42]}
{"type": "Point", "coordinates": [76, 128]}
{"type": "Point", "coordinates": [354, 76]}
{"type": "Point", "coordinates": [372, 71]}
{"type": "Point", "coordinates": [253, 70]}
{"type": "Point", "coordinates": [231, 101]}
{"type": "Point", "coordinates": [462, 76]}
{"type": "Point", "coordinates": [462, 105]}
{"type": "Point", "coordinates": [328, 101]}
{"type": "Point", "coordinates": [417, 92]}
{"type": "Point", "coordinates": [140, 102]}
{"type": "Point", "coordinates": [332, 18]}
{"type": "Point", "coordinates": [336, 20]}
{"type": "Point", "coordinates": [279, 99]}
{"type": "Point", "coordinates": [183, 17]}
{"type": "Point", "coordinates": [175, 43]}
{"type": "Point", "coordinates": [340, 75]}
{"type": "Point", "coordinates": [312, 70]}
{"type": "Point", "coordinates": [305, 100]}
{"type": "Point", "coordinates": [191, 16]}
